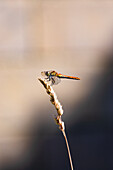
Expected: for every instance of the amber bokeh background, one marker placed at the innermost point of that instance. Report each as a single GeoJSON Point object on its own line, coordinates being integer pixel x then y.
{"type": "Point", "coordinates": [71, 37]}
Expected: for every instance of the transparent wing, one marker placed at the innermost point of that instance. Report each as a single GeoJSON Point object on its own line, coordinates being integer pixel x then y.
{"type": "Point", "coordinates": [43, 74]}
{"type": "Point", "coordinates": [55, 81]}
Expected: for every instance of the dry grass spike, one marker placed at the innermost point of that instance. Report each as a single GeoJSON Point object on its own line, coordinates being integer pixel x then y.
{"type": "Point", "coordinates": [58, 106]}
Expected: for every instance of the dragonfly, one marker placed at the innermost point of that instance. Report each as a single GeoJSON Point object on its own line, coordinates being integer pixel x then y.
{"type": "Point", "coordinates": [54, 78]}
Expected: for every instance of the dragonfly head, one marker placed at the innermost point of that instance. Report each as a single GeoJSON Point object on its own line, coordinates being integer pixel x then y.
{"type": "Point", "coordinates": [47, 73]}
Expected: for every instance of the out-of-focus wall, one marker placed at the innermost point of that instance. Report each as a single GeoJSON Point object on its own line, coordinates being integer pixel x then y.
{"type": "Point", "coordinates": [71, 37]}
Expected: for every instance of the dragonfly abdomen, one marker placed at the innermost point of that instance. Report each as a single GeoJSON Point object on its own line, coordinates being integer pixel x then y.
{"type": "Point", "coordinates": [68, 77]}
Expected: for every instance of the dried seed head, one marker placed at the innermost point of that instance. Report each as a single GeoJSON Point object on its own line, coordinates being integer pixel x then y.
{"type": "Point", "coordinates": [54, 101]}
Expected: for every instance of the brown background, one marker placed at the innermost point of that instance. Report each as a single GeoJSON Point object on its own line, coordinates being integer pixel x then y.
{"type": "Point", "coordinates": [73, 37]}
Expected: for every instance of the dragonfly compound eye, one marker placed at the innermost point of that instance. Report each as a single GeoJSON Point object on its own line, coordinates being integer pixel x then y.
{"type": "Point", "coordinates": [47, 73]}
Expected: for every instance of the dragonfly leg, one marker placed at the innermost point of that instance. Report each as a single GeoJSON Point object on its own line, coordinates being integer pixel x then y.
{"type": "Point", "coordinates": [46, 78]}
{"type": "Point", "coordinates": [53, 81]}
{"type": "Point", "coordinates": [49, 78]}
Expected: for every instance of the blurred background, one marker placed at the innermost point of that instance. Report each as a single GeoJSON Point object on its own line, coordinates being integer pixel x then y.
{"type": "Point", "coordinates": [73, 37]}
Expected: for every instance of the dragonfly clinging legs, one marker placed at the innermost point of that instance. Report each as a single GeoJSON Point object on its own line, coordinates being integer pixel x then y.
{"type": "Point", "coordinates": [54, 78]}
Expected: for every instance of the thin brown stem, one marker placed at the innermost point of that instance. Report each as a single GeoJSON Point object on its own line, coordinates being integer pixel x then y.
{"type": "Point", "coordinates": [67, 144]}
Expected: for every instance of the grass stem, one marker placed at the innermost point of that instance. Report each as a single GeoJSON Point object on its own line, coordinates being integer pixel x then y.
{"type": "Point", "coordinates": [67, 144]}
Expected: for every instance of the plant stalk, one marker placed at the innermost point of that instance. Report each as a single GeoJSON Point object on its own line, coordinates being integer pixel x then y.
{"type": "Point", "coordinates": [67, 144]}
